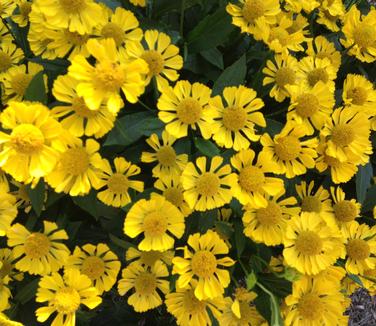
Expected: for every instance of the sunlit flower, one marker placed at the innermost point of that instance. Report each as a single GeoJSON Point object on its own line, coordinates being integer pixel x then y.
{"type": "Point", "coordinates": [149, 258]}
{"type": "Point", "coordinates": [345, 210]}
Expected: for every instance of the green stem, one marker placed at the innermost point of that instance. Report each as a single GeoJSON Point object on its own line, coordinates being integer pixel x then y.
{"type": "Point", "coordinates": [182, 10]}
{"type": "Point", "coordinates": [276, 113]}
{"type": "Point", "coordinates": [145, 106]}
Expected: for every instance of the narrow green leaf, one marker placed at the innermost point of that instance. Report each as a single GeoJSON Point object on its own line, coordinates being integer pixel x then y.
{"type": "Point", "coordinates": [37, 196]}
{"type": "Point", "coordinates": [240, 239]}
{"type": "Point", "coordinates": [214, 56]}
{"type": "Point", "coordinates": [88, 203]}
{"type": "Point", "coordinates": [36, 90]}
{"type": "Point", "coordinates": [27, 292]}
{"type": "Point", "coordinates": [273, 127]}
{"type": "Point", "coordinates": [363, 181]}
{"type": "Point", "coordinates": [356, 279]}
{"type": "Point", "coordinates": [224, 228]}
{"type": "Point", "coordinates": [370, 201]}
{"type": "Point", "coordinates": [206, 147]}
{"type": "Point", "coordinates": [120, 242]}
{"type": "Point", "coordinates": [276, 319]}
{"type": "Point", "coordinates": [251, 281]}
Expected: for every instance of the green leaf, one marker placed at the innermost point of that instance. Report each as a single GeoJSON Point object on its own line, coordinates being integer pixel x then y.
{"type": "Point", "coordinates": [356, 279]}
{"type": "Point", "coordinates": [224, 228]}
{"type": "Point", "coordinates": [120, 242]}
{"type": "Point", "coordinates": [278, 286]}
{"type": "Point", "coordinates": [370, 200]}
{"type": "Point", "coordinates": [214, 56]}
{"type": "Point", "coordinates": [88, 203]}
{"type": "Point", "coordinates": [273, 127]}
{"type": "Point", "coordinates": [37, 196]}
{"type": "Point", "coordinates": [240, 239]}
{"type": "Point", "coordinates": [27, 292]}
{"type": "Point", "coordinates": [276, 319]}
{"type": "Point", "coordinates": [36, 91]}
{"type": "Point", "coordinates": [233, 75]}
{"type": "Point", "coordinates": [363, 181]}
{"type": "Point", "coordinates": [207, 220]}
{"type": "Point", "coordinates": [251, 281]}
{"type": "Point", "coordinates": [206, 147]}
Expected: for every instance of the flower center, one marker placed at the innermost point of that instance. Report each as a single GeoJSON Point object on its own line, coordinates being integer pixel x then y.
{"type": "Point", "coordinates": [174, 196]}
{"type": "Point", "coordinates": [308, 243]}
{"type": "Point", "coordinates": [358, 95]}
{"type": "Point", "coordinates": [358, 249]}
{"type": "Point", "coordinates": [75, 38]}
{"type": "Point", "coordinates": [307, 106]}
{"type": "Point", "coordinates": [166, 156]}
{"type": "Point", "coordinates": [20, 82]}
{"type": "Point", "coordinates": [109, 76]}
{"type": "Point", "coordinates": [287, 148]}
{"type": "Point", "coordinates": [37, 245]}
{"type": "Point", "coordinates": [5, 61]}
{"type": "Point", "coordinates": [204, 264]}
{"type": "Point", "coordinates": [75, 161]}
{"type": "Point", "coordinates": [310, 306]}
{"type": "Point", "coordinates": [150, 257]}
{"type": "Point", "coordinates": [155, 224]}
{"type": "Point", "coordinates": [364, 35]}
{"type": "Point", "coordinates": [252, 10]}
{"type": "Point", "coordinates": [343, 135]}
{"type": "Point", "coordinates": [251, 178]}
{"type": "Point", "coordinates": [145, 283]}
{"type": "Point", "coordinates": [118, 183]}
{"type": "Point", "coordinates": [114, 31]}
{"type": "Point", "coordinates": [234, 118]}
{"type": "Point", "coordinates": [25, 9]}
{"type": "Point", "coordinates": [331, 161]}
{"type": "Point", "coordinates": [73, 6]}
{"type": "Point", "coordinates": [316, 75]}
{"type": "Point", "coordinates": [80, 108]}
{"type": "Point", "coordinates": [189, 111]}
{"type": "Point", "coordinates": [270, 215]}
{"type": "Point", "coordinates": [280, 34]}
{"type": "Point", "coordinates": [154, 60]}
{"type": "Point", "coordinates": [93, 267]}
{"type": "Point", "coordinates": [67, 300]}
{"type": "Point", "coordinates": [192, 305]}
{"type": "Point", "coordinates": [311, 204]}
{"type": "Point", "coordinates": [208, 184]}
{"type": "Point", "coordinates": [345, 211]}
{"type": "Point", "coordinates": [285, 76]}
{"type": "Point", "coordinates": [5, 269]}
{"type": "Point", "coordinates": [27, 139]}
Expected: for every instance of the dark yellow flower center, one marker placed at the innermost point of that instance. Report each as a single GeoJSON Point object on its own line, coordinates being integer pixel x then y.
{"type": "Point", "coordinates": [307, 105]}
{"type": "Point", "coordinates": [280, 34]}
{"type": "Point", "coordinates": [189, 111]}
{"type": "Point", "coordinates": [67, 300]}
{"type": "Point", "coordinates": [109, 76]}
{"type": "Point", "coordinates": [270, 215]}
{"type": "Point", "coordinates": [253, 9]}
{"type": "Point", "coordinates": [331, 161]}
{"type": "Point", "coordinates": [150, 257]}
{"type": "Point", "coordinates": [285, 76]}
{"type": "Point", "coordinates": [145, 283]}
{"type": "Point", "coordinates": [343, 135]}
{"type": "Point", "coordinates": [287, 148]}
{"type": "Point", "coordinates": [204, 264]}
{"type": "Point", "coordinates": [5, 61]}
{"type": "Point", "coordinates": [80, 108]}
{"type": "Point", "coordinates": [308, 243]}
{"type": "Point", "coordinates": [192, 305]}
{"type": "Point", "coordinates": [25, 9]}
{"type": "Point", "coordinates": [114, 31]}
{"type": "Point", "coordinates": [345, 211]}
{"type": "Point", "coordinates": [208, 184]}
{"type": "Point", "coordinates": [311, 307]}
{"type": "Point", "coordinates": [364, 35]}
{"type": "Point", "coordinates": [155, 224]}
{"type": "Point", "coordinates": [73, 6]}
{"type": "Point", "coordinates": [93, 267]}
{"type": "Point", "coordinates": [166, 156]}
{"type": "Point", "coordinates": [358, 249]}
{"type": "Point", "coordinates": [75, 38]}
{"type": "Point", "coordinates": [235, 118]}
{"type": "Point", "coordinates": [311, 204]}
{"type": "Point", "coordinates": [316, 75]}
{"type": "Point", "coordinates": [37, 245]}
{"type": "Point", "coordinates": [5, 269]}
{"type": "Point", "coordinates": [75, 161]}
{"type": "Point", "coordinates": [154, 60]}
{"type": "Point", "coordinates": [251, 178]}
{"type": "Point", "coordinates": [20, 82]}
{"type": "Point", "coordinates": [174, 196]}
{"type": "Point", "coordinates": [118, 183]}
{"type": "Point", "coordinates": [27, 139]}
{"type": "Point", "coordinates": [358, 95]}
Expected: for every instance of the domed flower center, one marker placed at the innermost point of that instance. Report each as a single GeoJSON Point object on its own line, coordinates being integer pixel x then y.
{"type": "Point", "coordinates": [189, 111]}
{"type": "Point", "coordinates": [155, 224]}
{"type": "Point", "coordinates": [270, 215]}
{"type": "Point", "coordinates": [25, 9]}
{"type": "Point", "coordinates": [345, 211]}
{"type": "Point", "coordinates": [234, 118]}
{"type": "Point", "coordinates": [252, 10]}
{"type": "Point", "coordinates": [208, 184]}
{"type": "Point", "coordinates": [75, 161]}
{"type": "Point", "coordinates": [150, 257]}
{"type": "Point", "coordinates": [93, 267]}
{"type": "Point", "coordinates": [285, 76]}
{"type": "Point", "coordinates": [251, 178]}
{"type": "Point", "coordinates": [308, 243]}
{"type": "Point", "coordinates": [174, 195]}
{"type": "Point", "coordinates": [280, 34]}
{"type": "Point", "coordinates": [73, 6]}
{"type": "Point", "coordinates": [145, 283]}
{"type": "Point", "coordinates": [287, 148]}
{"type": "Point", "coordinates": [316, 75]}
{"type": "Point", "coordinates": [311, 307]}
{"type": "Point", "coordinates": [37, 245]}
{"type": "Point", "coordinates": [364, 35]}
{"type": "Point", "coordinates": [27, 139]}
{"type": "Point", "coordinates": [358, 249]}
{"type": "Point", "coordinates": [166, 156]}
{"type": "Point", "coordinates": [192, 305]}
{"type": "Point", "coordinates": [358, 95]}
{"type": "Point", "coordinates": [307, 106]}
{"type": "Point", "coordinates": [343, 135]}
{"type": "Point", "coordinates": [5, 61]}
{"type": "Point", "coordinates": [118, 183]}
{"type": "Point", "coordinates": [109, 76]}
{"type": "Point", "coordinates": [67, 300]}
{"type": "Point", "coordinates": [80, 108]}
{"type": "Point", "coordinates": [20, 82]}
{"type": "Point", "coordinates": [114, 31]}
{"type": "Point", "coordinates": [75, 38]}
{"type": "Point", "coordinates": [204, 264]}
{"type": "Point", "coordinates": [154, 60]}
{"type": "Point", "coordinates": [311, 204]}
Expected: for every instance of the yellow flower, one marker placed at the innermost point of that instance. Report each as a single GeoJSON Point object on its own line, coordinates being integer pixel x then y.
{"type": "Point", "coordinates": [321, 48]}
{"type": "Point", "coordinates": [254, 180]}
{"type": "Point", "coordinates": [360, 247]}
{"type": "Point", "coordinates": [298, 5]}
{"type": "Point", "coordinates": [149, 258]}
{"type": "Point", "coordinates": [23, 200]}
{"type": "Point", "coordinates": [4, 320]}
{"type": "Point", "coordinates": [98, 262]}
{"type": "Point", "coordinates": [7, 7]}
{"type": "Point", "coordinates": [154, 218]}
{"type": "Point", "coordinates": [280, 72]}
{"type": "Point", "coordinates": [169, 163]}
{"type": "Point", "coordinates": [118, 182]}
{"type": "Point", "coordinates": [64, 296]}
{"type": "Point", "coordinates": [22, 18]}
{"type": "Point", "coordinates": [235, 117]}
{"type": "Point", "coordinates": [8, 271]}
{"type": "Point", "coordinates": [29, 144]}
{"type": "Point", "coordinates": [311, 245]}
{"type": "Point", "coordinates": [185, 106]}
{"type": "Point", "coordinates": [201, 263]}
{"type": "Point", "coordinates": [207, 189]}
{"type": "Point", "coordinates": [10, 56]}
{"type": "Point", "coordinates": [147, 284]}
{"type": "Point", "coordinates": [268, 224]}
{"type": "Point", "coordinates": [5, 295]}
{"type": "Point", "coordinates": [141, 3]}
{"type": "Point", "coordinates": [39, 253]}
{"type": "Point", "coordinates": [345, 211]}
{"type": "Point", "coordinates": [8, 211]}
{"type": "Point", "coordinates": [330, 13]}
{"type": "Point", "coordinates": [5, 35]}
{"type": "Point", "coordinates": [241, 295]}
{"type": "Point", "coordinates": [292, 155]}
{"type": "Point", "coordinates": [111, 73]}
{"type": "Point", "coordinates": [162, 57]}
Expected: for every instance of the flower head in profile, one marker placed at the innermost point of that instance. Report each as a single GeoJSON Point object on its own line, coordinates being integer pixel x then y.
{"type": "Point", "coordinates": [321, 47]}
{"type": "Point", "coordinates": [8, 211]}
{"type": "Point", "coordinates": [297, 6]}
{"type": "Point", "coordinates": [149, 258]}
{"type": "Point", "coordinates": [331, 12]}
{"type": "Point", "coordinates": [10, 55]}
{"type": "Point", "coordinates": [22, 17]}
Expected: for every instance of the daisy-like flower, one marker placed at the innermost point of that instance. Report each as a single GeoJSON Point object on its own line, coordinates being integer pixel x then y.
{"type": "Point", "coordinates": [321, 48]}
{"type": "Point", "coordinates": [147, 283]}
{"type": "Point", "coordinates": [280, 72]}
{"type": "Point", "coordinates": [201, 263]}
{"type": "Point", "coordinates": [7, 322]}
{"type": "Point", "coordinates": [141, 3]}
{"type": "Point", "coordinates": [347, 136]}
{"type": "Point", "coordinates": [8, 211]}
{"type": "Point", "coordinates": [118, 183]}
{"type": "Point", "coordinates": [8, 271]}
{"type": "Point", "coordinates": [10, 55]}
{"type": "Point", "coordinates": [235, 117]}
{"type": "Point", "coordinates": [5, 295]}
{"type": "Point", "coordinates": [185, 106]}
{"type": "Point", "coordinates": [29, 140]}
{"type": "Point", "coordinates": [64, 295]}
{"type": "Point", "coordinates": [311, 245]}
{"type": "Point", "coordinates": [253, 180]}
{"type": "Point", "coordinates": [168, 162]}
{"type": "Point", "coordinates": [7, 7]}
{"type": "Point", "coordinates": [330, 13]}
{"type": "Point", "coordinates": [345, 210]}
{"type": "Point", "coordinates": [292, 155]}
{"type": "Point", "coordinates": [241, 295]}
{"type": "Point", "coordinates": [98, 262]}
{"type": "Point", "coordinates": [22, 17]}
{"type": "Point", "coordinates": [149, 258]}
{"type": "Point", "coordinates": [360, 247]}
{"type": "Point", "coordinates": [360, 34]}
{"type": "Point", "coordinates": [205, 189]}
{"type": "Point", "coordinates": [39, 253]}
{"type": "Point", "coordinates": [297, 6]}
{"type": "Point", "coordinates": [23, 200]}
{"type": "Point", "coordinates": [111, 73]}
{"type": "Point", "coordinates": [5, 35]}
{"type": "Point", "coordinates": [158, 220]}
{"type": "Point", "coordinates": [268, 224]}
{"type": "Point", "coordinates": [162, 57]}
